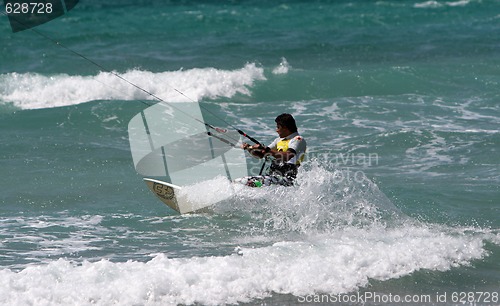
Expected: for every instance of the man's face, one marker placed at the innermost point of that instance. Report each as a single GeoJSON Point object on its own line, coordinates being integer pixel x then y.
{"type": "Point", "coordinates": [282, 131]}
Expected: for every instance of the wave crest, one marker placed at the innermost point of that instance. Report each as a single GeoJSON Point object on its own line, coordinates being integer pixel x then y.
{"type": "Point", "coordinates": [35, 91]}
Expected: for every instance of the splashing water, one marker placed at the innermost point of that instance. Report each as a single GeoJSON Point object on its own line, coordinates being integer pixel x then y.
{"type": "Point", "coordinates": [322, 201]}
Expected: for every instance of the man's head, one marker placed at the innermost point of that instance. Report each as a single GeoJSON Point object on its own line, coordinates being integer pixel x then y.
{"type": "Point", "coordinates": [285, 125]}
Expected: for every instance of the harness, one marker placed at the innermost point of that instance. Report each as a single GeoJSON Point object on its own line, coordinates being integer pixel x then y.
{"type": "Point", "coordinates": [285, 169]}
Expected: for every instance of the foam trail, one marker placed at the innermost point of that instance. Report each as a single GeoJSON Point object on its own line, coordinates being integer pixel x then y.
{"type": "Point", "coordinates": [335, 263]}
{"type": "Point", "coordinates": [35, 91]}
{"type": "Point", "coordinates": [323, 201]}
{"type": "Point", "coordinates": [331, 234]}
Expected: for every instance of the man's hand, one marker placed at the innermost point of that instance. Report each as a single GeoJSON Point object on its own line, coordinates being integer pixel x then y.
{"type": "Point", "coordinates": [256, 150]}
{"type": "Point", "coordinates": [245, 146]}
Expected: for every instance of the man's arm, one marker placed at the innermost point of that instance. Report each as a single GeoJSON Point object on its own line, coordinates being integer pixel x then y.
{"type": "Point", "coordinates": [260, 152]}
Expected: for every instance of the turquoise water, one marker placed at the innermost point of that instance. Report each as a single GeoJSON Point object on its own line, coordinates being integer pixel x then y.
{"type": "Point", "coordinates": [399, 196]}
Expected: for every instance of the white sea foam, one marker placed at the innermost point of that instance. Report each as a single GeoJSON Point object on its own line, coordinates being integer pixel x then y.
{"type": "Point", "coordinates": [33, 91]}
{"type": "Point", "coordinates": [339, 262]}
{"type": "Point", "coordinates": [428, 4]}
{"type": "Point", "coordinates": [437, 4]}
{"type": "Point", "coordinates": [46, 237]}
{"type": "Point", "coordinates": [332, 234]}
{"type": "Point", "coordinates": [206, 193]}
{"type": "Point", "coordinates": [282, 68]}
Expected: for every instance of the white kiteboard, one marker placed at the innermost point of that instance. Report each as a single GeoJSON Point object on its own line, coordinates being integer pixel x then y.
{"type": "Point", "coordinates": [179, 156]}
{"type": "Point", "coordinates": [172, 196]}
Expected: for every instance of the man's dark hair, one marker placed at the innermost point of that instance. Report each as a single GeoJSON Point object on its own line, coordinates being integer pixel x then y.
{"type": "Point", "coordinates": [286, 120]}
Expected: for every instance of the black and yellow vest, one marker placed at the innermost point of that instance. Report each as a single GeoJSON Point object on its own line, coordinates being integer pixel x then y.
{"type": "Point", "coordinates": [282, 146]}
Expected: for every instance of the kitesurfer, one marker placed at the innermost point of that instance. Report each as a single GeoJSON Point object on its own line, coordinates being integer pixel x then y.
{"type": "Point", "coordinates": [287, 152]}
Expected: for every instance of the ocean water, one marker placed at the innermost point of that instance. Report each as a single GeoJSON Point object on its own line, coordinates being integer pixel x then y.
{"type": "Point", "coordinates": [399, 196]}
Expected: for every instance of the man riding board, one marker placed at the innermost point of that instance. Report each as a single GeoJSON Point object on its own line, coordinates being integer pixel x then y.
{"type": "Point", "coordinates": [287, 151]}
